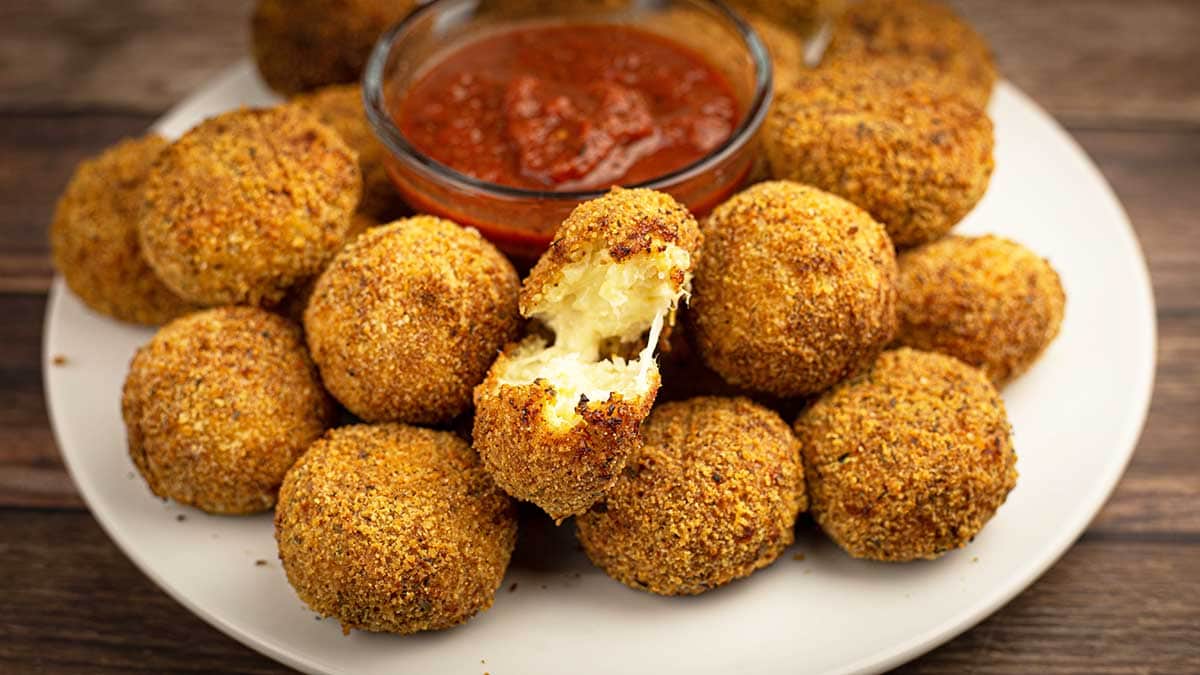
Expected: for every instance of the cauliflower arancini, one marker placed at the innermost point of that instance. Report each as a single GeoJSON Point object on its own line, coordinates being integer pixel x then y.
{"type": "Point", "coordinates": [916, 159]}
{"type": "Point", "coordinates": [219, 405]}
{"type": "Point", "coordinates": [94, 238]}
{"type": "Point", "coordinates": [711, 496]}
{"type": "Point", "coordinates": [795, 290]}
{"type": "Point", "coordinates": [407, 319]}
{"type": "Point", "coordinates": [908, 460]}
{"type": "Point", "coordinates": [392, 528]}
{"type": "Point", "coordinates": [987, 301]}
{"type": "Point", "coordinates": [915, 34]}
{"type": "Point", "coordinates": [300, 45]}
{"type": "Point", "coordinates": [248, 203]}
{"type": "Point", "coordinates": [340, 107]}
{"type": "Point", "coordinates": [554, 422]}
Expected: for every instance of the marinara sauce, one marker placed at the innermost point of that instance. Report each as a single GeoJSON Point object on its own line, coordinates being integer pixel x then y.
{"type": "Point", "coordinates": [568, 108]}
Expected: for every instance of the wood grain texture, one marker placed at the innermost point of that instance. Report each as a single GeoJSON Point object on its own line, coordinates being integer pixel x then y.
{"type": "Point", "coordinates": [76, 75]}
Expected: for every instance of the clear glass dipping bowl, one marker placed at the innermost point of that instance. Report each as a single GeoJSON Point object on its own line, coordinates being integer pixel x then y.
{"type": "Point", "coordinates": [522, 222]}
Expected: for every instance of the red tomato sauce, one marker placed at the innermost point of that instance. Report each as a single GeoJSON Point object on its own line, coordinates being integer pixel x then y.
{"type": "Point", "coordinates": [567, 108]}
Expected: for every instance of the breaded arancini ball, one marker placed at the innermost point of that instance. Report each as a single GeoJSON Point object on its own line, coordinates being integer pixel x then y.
{"type": "Point", "coordinates": [711, 496]}
{"type": "Point", "coordinates": [296, 301]}
{"type": "Point", "coordinates": [248, 203]}
{"type": "Point", "coordinates": [908, 460]}
{"type": "Point", "coordinates": [922, 34]}
{"type": "Point", "coordinates": [555, 421]}
{"type": "Point", "coordinates": [94, 237]}
{"type": "Point", "coordinates": [987, 301]}
{"type": "Point", "coordinates": [300, 45]}
{"type": "Point", "coordinates": [392, 528]}
{"type": "Point", "coordinates": [917, 160]}
{"type": "Point", "coordinates": [219, 405]}
{"type": "Point", "coordinates": [340, 107]}
{"type": "Point", "coordinates": [796, 290]}
{"type": "Point", "coordinates": [795, 13]}
{"type": "Point", "coordinates": [408, 318]}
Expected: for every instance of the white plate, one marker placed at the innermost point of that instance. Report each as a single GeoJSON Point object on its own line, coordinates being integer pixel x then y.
{"type": "Point", "coordinates": [1077, 417]}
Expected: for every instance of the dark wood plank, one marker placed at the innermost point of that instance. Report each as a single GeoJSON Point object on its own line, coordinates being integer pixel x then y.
{"type": "Point", "coordinates": [85, 609]}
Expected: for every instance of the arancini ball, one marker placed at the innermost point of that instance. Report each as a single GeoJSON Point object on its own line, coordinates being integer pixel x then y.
{"type": "Point", "coordinates": [392, 528]}
{"type": "Point", "coordinates": [908, 460]}
{"type": "Point", "coordinates": [248, 203]}
{"type": "Point", "coordinates": [407, 319]}
{"type": "Point", "coordinates": [711, 496]}
{"type": "Point", "coordinates": [556, 418]}
{"type": "Point", "coordinates": [219, 405]}
{"type": "Point", "coordinates": [916, 159]}
{"type": "Point", "coordinates": [987, 301]}
{"type": "Point", "coordinates": [94, 237]}
{"type": "Point", "coordinates": [795, 291]}
{"type": "Point", "coordinates": [300, 45]}
{"type": "Point", "coordinates": [925, 35]}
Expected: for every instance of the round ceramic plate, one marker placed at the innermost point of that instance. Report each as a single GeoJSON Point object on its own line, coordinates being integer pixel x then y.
{"type": "Point", "coordinates": [1076, 415]}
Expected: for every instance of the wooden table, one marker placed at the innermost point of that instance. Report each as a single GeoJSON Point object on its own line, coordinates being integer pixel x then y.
{"type": "Point", "coordinates": [1124, 77]}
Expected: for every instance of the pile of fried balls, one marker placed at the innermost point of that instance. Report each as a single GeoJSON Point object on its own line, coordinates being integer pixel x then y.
{"type": "Point", "coordinates": [391, 386]}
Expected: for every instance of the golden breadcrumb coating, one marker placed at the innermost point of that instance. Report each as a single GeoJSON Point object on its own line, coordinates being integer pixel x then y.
{"type": "Point", "coordinates": [340, 107]}
{"type": "Point", "coordinates": [796, 13]}
{"type": "Point", "coordinates": [555, 423]}
{"type": "Point", "coordinates": [987, 301]}
{"type": "Point", "coordinates": [908, 460]}
{"type": "Point", "coordinates": [392, 528]}
{"type": "Point", "coordinates": [924, 35]}
{"type": "Point", "coordinates": [94, 238]}
{"type": "Point", "coordinates": [296, 301]}
{"type": "Point", "coordinates": [796, 290]}
{"type": "Point", "coordinates": [300, 45]}
{"type": "Point", "coordinates": [408, 318]}
{"type": "Point", "coordinates": [711, 496]}
{"type": "Point", "coordinates": [918, 161]}
{"type": "Point", "coordinates": [219, 405]}
{"type": "Point", "coordinates": [247, 204]}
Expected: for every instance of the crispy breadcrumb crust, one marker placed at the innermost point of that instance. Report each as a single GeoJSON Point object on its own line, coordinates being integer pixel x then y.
{"type": "Point", "coordinates": [392, 528]}
{"type": "Point", "coordinates": [916, 159]}
{"type": "Point", "coordinates": [94, 237]}
{"type": "Point", "coordinates": [248, 203]}
{"type": "Point", "coordinates": [908, 460]}
{"type": "Point", "coordinates": [219, 405]}
{"type": "Point", "coordinates": [923, 35]}
{"type": "Point", "coordinates": [796, 290]}
{"type": "Point", "coordinates": [406, 320]}
{"type": "Point", "coordinates": [296, 301]}
{"type": "Point", "coordinates": [561, 470]}
{"type": "Point", "coordinates": [300, 45]}
{"type": "Point", "coordinates": [341, 108]}
{"type": "Point", "coordinates": [711, 496]}
{"type": "Point", "coordinates": [626, 223]}
{"type": "Point", "coordinates": [987, 301]}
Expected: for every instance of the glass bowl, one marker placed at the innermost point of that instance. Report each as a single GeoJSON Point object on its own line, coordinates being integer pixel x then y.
{"type": "Point", "coordinates": [521, 221]}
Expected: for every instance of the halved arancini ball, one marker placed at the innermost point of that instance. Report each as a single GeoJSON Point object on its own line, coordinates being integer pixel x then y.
{"type": "Point", "coordinates": [219, 405]}
{"type": "Point", "coordinates": [987, 301]}
{"type": "Point", "coordinates": [908, 460]}
{"type": "Point", "coordinates": [392, 528]}
{"type": "Point", "coordinates": [555, 420]}
{"type": "Point", "coordinates": [300, 45]}
{"type": "Point", "coordinates": [916, 159]}
{"type": "Point", "coordinates": [924, 35]}
{"type": "Point", "coordinates": [248, 203]}
{"type": "Point", "coordinates": [795, 291]}
{"type": "Point", "coordinates": [94, 237]}
{"type": "Point", "coordinates": [711, 496]}
{"type": "Point", "coordinates": [408, 318]}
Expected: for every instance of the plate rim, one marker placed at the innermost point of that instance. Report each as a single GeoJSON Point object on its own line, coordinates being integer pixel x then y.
{"type": "Point", "coordinates": [1016, 583]}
